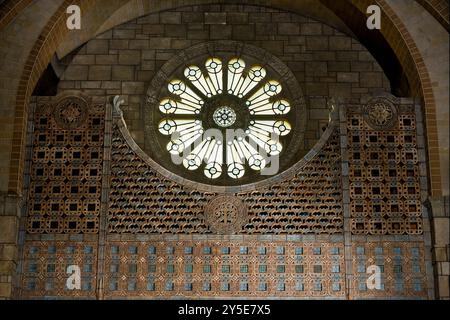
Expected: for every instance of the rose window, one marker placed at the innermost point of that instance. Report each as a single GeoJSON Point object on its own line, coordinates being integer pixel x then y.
{"type": "Point", "coordinates": [225, 118]}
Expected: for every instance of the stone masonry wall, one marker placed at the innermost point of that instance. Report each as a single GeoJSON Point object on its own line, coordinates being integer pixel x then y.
{"type": "Point", "coordinates": [326, 62]}
{"type": "Point", "coordinates": [9, 222]}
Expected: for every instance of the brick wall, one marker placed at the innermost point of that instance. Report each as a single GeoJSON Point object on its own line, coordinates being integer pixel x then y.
{"type": "Point", "coordinates": [124, 60]}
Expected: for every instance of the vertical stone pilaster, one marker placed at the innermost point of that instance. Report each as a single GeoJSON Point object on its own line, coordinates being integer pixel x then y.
{"type": "Point", "coordinates": [346, 198]}
{"type": "Point", "coordinates": [440, 226]}
{"type": "Point", "coordinates": [104, 201]}
{"type": "Point", "coordinates": [9, 223]}
{"type": "Point", "coordinates": [424, 192]}
{"type": "Point", "coordinates": [26, 186]}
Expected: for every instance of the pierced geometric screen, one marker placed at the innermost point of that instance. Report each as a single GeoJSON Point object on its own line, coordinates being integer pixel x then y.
{"type": "Point", "coordinates": [165, 240]}
{"type": "Point", "coordinates": [66, 168]}
{"type": "Point", "coordinates": [310, 202]}
{"type": "Point", "coordinates": [384, 175]}
{"type": "Point", "coordinates": [142, 201]}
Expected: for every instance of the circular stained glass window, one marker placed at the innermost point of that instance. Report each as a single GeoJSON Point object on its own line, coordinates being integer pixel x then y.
{"type": "Point", "coordinates": [225, 118]}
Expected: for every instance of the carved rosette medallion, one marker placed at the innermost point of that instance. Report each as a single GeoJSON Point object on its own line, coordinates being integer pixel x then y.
{"type": "Point", "coordinates": [380, 114]}
{"type": "Point", "coordinates": [226, 215]}
{"type": "Point", "coordinates": [71, 112]}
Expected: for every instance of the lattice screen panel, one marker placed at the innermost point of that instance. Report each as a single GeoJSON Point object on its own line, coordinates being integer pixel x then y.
{"type": "Point", "coordinates": [160, 239]}
{"type": "Point", "coordinates": [66, 168]}
{"type": "Point", "coordinates": [142, 201]}
{"type": "Point", "coordinates": [384, 176]}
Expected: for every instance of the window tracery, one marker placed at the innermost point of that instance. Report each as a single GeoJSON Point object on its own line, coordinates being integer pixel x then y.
{"type": "Point", "coordinates": [258, 99]}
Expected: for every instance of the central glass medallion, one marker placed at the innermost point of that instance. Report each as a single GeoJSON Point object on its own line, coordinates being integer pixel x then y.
{"type": "Point", "coordinates": [224, 117]}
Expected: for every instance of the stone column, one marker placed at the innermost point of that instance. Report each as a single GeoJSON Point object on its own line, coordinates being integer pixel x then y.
{"type": "Point", "coordinates": [9, 222]}
{"type": "Point", "coordinates": [440, 224]}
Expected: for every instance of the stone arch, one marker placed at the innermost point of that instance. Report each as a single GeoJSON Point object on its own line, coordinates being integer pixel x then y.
{"type": "Point", "coordinates": [55, 32]}
{"type": "Point", "coordinates": [10, 9]}
{"type": "Point", "coordinates": [438, 9]}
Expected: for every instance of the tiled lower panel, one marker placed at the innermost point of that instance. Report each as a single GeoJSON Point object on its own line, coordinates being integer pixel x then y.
{"type": "Point", "coordinates": [211, 269]}
{"type": "Point", "coordinates": [171, 269]}
{"type": "Point", "coordinates": [402, 268]}
{"type": "Point", "coordinates": [45, 268]}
